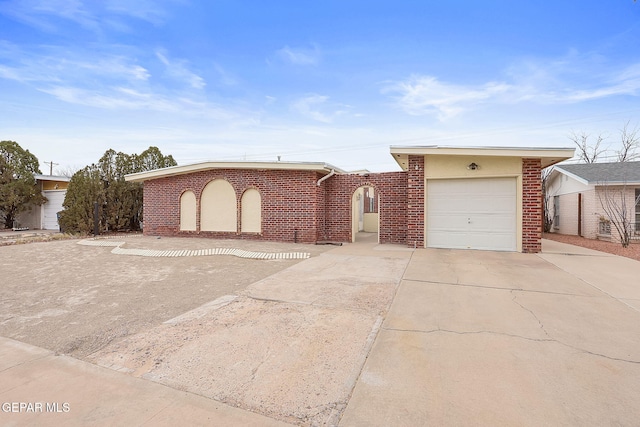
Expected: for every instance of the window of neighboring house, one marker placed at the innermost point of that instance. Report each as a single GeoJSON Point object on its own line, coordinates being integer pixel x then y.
{"type": "Point", "coordinates": [556, 211]}
{"type": "Point", "coordinates": [637, 209]}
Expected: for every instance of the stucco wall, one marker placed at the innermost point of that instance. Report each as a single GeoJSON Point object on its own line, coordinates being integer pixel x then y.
{"type": "Point", "coordinates": [445, 167]}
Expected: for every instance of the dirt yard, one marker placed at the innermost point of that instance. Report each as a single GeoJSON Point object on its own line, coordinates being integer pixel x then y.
{"type": "Point", "coordinates": [76, 299]}
{"type": "Point", "coordinates": [283, 338]}
{"type": "Point", "coordinates": [633, 251]}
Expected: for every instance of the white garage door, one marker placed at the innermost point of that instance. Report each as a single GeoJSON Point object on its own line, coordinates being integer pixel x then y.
{"type": "Point", "coordinates": [472, 214]}
{"type": "Point", "coordinates": [55, 198]}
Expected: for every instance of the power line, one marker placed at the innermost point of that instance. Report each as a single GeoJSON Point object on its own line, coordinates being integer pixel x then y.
{"type": "Point", "coordinates": [51, 164]}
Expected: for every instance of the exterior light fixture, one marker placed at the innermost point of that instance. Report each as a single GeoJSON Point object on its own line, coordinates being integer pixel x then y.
{"type": "Point", "coordinates": [473, 166]}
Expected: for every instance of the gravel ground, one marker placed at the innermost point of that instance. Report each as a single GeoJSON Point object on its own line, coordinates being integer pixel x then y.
{"type": "Point", "coordinates": [283, 338]}
{"type": "Point", "coordinates": [76, 299]}
{"type": "Point", "coordinates": [633, 251]}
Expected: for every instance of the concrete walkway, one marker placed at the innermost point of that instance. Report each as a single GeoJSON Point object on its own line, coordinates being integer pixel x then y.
{"type": "Point", "coordinates": [471, 338]}
{"type": "Point", "coordinates": [66, 391]}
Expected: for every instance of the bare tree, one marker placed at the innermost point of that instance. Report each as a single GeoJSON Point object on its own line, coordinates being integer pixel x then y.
{"type": "Point", "coordinates": [67, 171]}
{"type": "Point", "coordinates": [588, 153]}
{"type": "Point", "coordinates": [613, 200]}
{"type": "Point", "coordinates": [547, 200]}
{"type": "Point", "coordinates": [630, 141]}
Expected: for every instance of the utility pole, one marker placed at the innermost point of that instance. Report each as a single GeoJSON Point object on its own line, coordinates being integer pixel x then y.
{"type": "Point", "coordinates": [51, 166]}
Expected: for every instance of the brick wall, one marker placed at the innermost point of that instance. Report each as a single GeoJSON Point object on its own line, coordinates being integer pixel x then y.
{"type": "Point", "coordinates": [294, 207]}
{"type": "Point", "coordinates": [531, 206]}
{"type": "Point", "coordinates": [291, 203]}
{"type": "Point", "coordinates": [415, 207]}
{"type": "Point", "coordinates": [391, 187]}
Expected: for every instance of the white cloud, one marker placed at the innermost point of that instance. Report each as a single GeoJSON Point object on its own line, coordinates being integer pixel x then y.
{"type": "Point", "coordinates": [95, 16]}
{"type": "Point", "coordinates": [38, 13]}
{"type": "Point", "coordinates": [146, 10]}
{"type": "Point", "coordinates": [420, 95]}
{"type": "Point", "coordinates": [564, 81]}
{"type": "Point", "coordinates": [308, 107]}
{"type": "Point", "coordinates": [178, 69]}
{"type": "Point", "coordinates": [58, 65]}
{"type": "Point", "coordinates": [300, 56]}
{"type": "Point", "coordinates": [317, 107]}
{"type": "Point", "coordinates": [225, 77]}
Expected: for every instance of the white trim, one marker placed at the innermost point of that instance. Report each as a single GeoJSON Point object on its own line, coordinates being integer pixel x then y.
{"type": "Point", "coordinates": [197, 167]}
{"type": "Point", "coordinates": [571, 175]}
{"type": "Point", "coordinates": [548, 156]}
{"type": "Point", "coordinates": [52, 178]}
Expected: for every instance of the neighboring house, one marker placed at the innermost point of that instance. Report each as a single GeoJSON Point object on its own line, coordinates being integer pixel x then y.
{"type": "Point", "coordinates": [444, 197]}
{"type": "Point", "coordinates": [44, 217]}
{"type": "Point", "coordinates": [576, 194]}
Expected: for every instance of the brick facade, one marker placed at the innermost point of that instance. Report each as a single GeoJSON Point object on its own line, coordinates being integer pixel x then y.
{"type": "Point", "coordinates": [290, 203]}
{"type": "Point", "coordinates": [390, 187]}
{"type": "Point", "coordinates": [415, 204]}
{"type": "Point", "coordinates": [531, 206]}
{"type": "Point", "coordinates": [295, 208]}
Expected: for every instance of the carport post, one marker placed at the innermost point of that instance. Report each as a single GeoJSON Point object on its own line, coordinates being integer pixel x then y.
{"type": "Point", "coordinates": [95, 219]}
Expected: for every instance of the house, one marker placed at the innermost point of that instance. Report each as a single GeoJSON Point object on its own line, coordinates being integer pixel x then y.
{"type": "Point", "coordinates": [444, 197]}
{"type": "Point", "coordinates": [576, 194]}
{"type": "Point", "coordinates": [44, 217]}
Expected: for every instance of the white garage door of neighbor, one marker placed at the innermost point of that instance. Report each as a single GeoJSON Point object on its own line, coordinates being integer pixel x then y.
{"type": "Point", "coordinates": [55, 198]}
{"type": "Point", "coordinates": [475, 213]}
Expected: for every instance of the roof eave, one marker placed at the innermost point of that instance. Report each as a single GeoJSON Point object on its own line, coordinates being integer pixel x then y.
{"type": "Point", "coordinates": [548, 156]}
{"type": "Point", "coordinates": [324, 168]}
{"type": "Point", "coordinates": [572, 175]}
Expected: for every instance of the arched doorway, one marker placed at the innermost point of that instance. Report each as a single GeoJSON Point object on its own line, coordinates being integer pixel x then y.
{"type": "Point", "coordinates": [365, 216]}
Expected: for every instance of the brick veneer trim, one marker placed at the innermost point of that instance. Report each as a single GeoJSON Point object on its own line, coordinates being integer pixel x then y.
{"type": "Point", "coordinates": [531, 206]}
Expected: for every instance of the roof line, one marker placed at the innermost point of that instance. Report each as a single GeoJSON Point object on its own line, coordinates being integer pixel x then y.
{"type": "Point", "coordinates": [572, 175]}
{"type": "Point", "coordinates": [209, 165]}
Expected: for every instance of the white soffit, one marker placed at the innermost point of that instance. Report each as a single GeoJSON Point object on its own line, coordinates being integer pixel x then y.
{"type": "Point", "coordinates": [548, 156]}
{"type": "Point", "coordinates": [324, 168]}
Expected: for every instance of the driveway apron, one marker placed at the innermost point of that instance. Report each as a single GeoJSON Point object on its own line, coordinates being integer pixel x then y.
{"type": "Point", "coordinates": [489, 338]}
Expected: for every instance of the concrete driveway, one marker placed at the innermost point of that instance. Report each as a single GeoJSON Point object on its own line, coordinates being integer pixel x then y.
{"type": "Point", "coordinates": [487, 338]}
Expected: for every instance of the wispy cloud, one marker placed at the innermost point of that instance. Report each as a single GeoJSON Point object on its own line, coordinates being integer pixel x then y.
{"type": "Point", "coordinates": [178, 69]}
{"type": "Point", "coordinates": [145, 10]}
{"type": "Point", "coordinates": [225, 77]}
{"type": "Point", "coordinates": [317, 107]}
{"type": "Point", "coordinates": [563, 81]}
{"type": "Point", "coordinates": [113, 81]}
{"type": "Point", "coordinates": [300, 56]}
{"type": "Point", "coordinates": [51, 64]}
{"type": "Point", "coordinates": [96, 16]}
{"type": "Point", "coordinates": [420, 95]}
{"type": "Point", "coordinates": [308, 107]}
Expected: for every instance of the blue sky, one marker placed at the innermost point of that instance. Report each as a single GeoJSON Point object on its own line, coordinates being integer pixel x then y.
{"type": "Point", "coordinates": [333, 81]}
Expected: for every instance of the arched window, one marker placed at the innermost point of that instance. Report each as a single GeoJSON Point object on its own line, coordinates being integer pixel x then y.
{"type": "Point", "coordinates": [251, 211]}
{"type": "Point", "coordinates": [218, 207]}
{"type": "Point", "coordinates": [188, 211]}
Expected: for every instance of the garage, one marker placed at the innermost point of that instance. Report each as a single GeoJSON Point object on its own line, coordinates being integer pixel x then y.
{"type": "Point", "coordinates": [55, 198]}
{"type": "Point", "coordinates": [478, 213]}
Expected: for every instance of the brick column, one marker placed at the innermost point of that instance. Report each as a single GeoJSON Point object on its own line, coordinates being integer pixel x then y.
{"type": "Point", "coordinates": [415, 202]}
{"type": "Point", "coordinates": [531, 206]}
